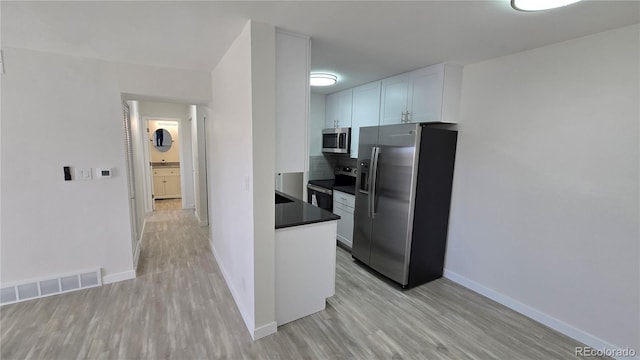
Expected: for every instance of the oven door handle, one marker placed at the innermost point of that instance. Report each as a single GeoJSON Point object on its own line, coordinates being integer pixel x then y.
{"type": "Point", "coordinates": [320, 189]}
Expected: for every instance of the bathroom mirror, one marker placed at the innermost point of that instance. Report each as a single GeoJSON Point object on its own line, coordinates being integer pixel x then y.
{"type": "Point", "coordinates": [162, 140]}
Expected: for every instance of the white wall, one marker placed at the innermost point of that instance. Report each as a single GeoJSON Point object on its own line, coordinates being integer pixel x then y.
{"type": "Point", "coordinates": [316, 123]}
{"type": "Point", "coordinates": [138, 137]}
{"type": "Point", "coordinates": [72, 107]}
{"type": "Point", "coordinates": [263, 93]}
{"type": "Point", "coordinates": [240, 167]}
{"type": "Point", "coordinates": [292, 103]}
{"type": "Point", "coordinates": [544, 214]}
{"type": "Point", "coordinates": [153, 110]}
{"type": "Point", "coordinates": [201, 170]}
{"type": "Point", "coordinates": [198, 114]}
{"type": "Point", "coordinates": [174, 85]}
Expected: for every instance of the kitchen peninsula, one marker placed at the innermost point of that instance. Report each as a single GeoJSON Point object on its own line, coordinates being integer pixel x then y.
{"type": "Point", "coordinates": [305, 258]}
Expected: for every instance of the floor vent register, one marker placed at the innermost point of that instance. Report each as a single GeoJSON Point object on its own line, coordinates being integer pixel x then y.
{"type": "Point", "coordinates": [34, 289]}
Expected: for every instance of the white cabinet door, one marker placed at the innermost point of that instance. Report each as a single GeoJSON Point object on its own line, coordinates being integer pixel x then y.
{"type": "Point", "coordinates": [366, 111]}
{"type": "Point", "coordinates": [425, 94]}
{"type": "Point", "coordinates": [172, 186]}
{"type": "Point", "coordinates": [292, 102]}
{"type": "Point", "coordinates": [166, 183]}
{"type": "Point", "coordinates": [434, 93]}
{"type": "Point", "coordinates": [345, 226]}
{"type": "Point", "coordinates": [393, 100]}
{"type": "Point", "coordinates": [338, 109]}
{"type": "Point", "coordinates": [451, 93]}
{"type": "Point", "coordinates": [345, 108]}
{"type": "Point", "coordinates": [343, 206]}
{"type": "Point", "coordinates": [158, 186]}
{"type": "Point", "coordinates": [331, 111]}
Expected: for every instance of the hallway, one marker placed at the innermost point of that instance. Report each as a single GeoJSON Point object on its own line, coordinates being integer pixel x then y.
{"type": "Point", "coordinates": [179, 307]}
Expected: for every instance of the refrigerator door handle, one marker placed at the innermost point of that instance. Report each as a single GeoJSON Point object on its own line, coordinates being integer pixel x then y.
{"type": "Point", "coordinates": [375, 153]}
{"type": "Point", "coordinates": [370, 192]}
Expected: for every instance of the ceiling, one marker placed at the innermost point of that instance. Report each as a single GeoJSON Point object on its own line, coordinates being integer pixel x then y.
{"type": "Point", "coordinates": [360, 41]}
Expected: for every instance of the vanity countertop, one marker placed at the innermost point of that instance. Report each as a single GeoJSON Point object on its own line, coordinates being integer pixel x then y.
{"type": "Point", "coordinates": [160, 164]}
{"type": "Point", "coordinates": [296, 212]}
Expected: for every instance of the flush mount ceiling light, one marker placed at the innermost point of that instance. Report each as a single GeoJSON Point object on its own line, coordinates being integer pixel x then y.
{"type": "Point", "coordinates": [322, 79]}
{"type": "Point", "coordinates": [537, 5]}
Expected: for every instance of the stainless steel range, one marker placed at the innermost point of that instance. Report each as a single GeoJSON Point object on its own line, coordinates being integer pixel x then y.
{"type": "Point", "coordinates": [320, 192]}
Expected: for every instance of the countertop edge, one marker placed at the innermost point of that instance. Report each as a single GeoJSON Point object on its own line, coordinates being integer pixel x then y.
{"type": "Point", "coordinates": [347, 189]}
{"type": "Point", "coordinates": [324, 215]}
{"type": "Point", "coordinates": [278, 227]}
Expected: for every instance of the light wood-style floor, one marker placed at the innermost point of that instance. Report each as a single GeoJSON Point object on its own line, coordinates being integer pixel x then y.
{"type": "Point", "coordinates": [179, 307]}
{"type": "Point", "coordinates": [167, 204]}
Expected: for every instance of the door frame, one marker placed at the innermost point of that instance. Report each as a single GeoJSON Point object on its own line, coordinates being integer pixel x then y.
{"type": "Point", "coordinates": [150, 204]}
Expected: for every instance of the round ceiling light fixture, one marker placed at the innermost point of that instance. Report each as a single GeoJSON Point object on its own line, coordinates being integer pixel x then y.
{"type": "Point", "coordinates": [322, 79]}
{"type": "Point", "coordinates": [538, 5]}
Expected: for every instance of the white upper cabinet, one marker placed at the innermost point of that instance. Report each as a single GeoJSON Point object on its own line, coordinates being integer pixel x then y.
{"type": "Point", "coordinates": [425, 94]}
{"type": "Point", "coordinates": [430, 94]}
{"type": "Point", "coordinates": [434, 94]}
{"type": "Point", "coordinates": [292, 102]}
{"type": "Point", "coordinates": [338, 109]}
{"type": "Point", "coordinates": [393, 102]}
{"type": "Point", "coordinates": [366, 111]}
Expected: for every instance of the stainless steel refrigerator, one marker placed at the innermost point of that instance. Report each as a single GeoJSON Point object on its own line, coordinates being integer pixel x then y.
{"type": "Point", "coordinates": [404, 179]}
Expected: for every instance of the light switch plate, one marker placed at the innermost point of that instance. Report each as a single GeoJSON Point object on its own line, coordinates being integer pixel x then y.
{"type": "Point", "coordinates": [83, 173]}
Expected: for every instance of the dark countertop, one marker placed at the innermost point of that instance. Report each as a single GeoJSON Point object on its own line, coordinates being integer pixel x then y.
{"type": "Point", "coordinates": [327, 184]}
{"type": "Point", "coordinates": [349, 189]}
{"type": "Point", "coordinates": [342, 183]}
{"type": "Point", "coordinates": [298, 212]}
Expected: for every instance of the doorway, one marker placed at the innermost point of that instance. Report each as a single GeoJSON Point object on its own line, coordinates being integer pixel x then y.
{"type": "Point", "coordinates": [185, 135]}
{"type": "Point", "coordinates": [165, 163]}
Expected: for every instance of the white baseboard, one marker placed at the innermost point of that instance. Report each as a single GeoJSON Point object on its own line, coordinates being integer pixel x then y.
{"type": "Point", "coordinates": [537, 315]}
{"type": "Point", "coordinates": [203, 223]}
{"type": "Point", "coordinates": [122, 276]}
{"type": "Point", "coordinates": [246, 317]}
{"type": "Point", "coordinates": [136, 254]}
{"type": "Point", "coordinates": [265, 330]}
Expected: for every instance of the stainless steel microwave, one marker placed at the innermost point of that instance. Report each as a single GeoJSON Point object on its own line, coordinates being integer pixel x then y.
{"type": "Point", "coordinates": [336, 140]}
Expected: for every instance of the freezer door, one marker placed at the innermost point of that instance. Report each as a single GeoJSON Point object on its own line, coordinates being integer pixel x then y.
{"type": "Point", "coordinates": [394, 200]}
{"type": "Point", "coordinates": [362, 217]}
